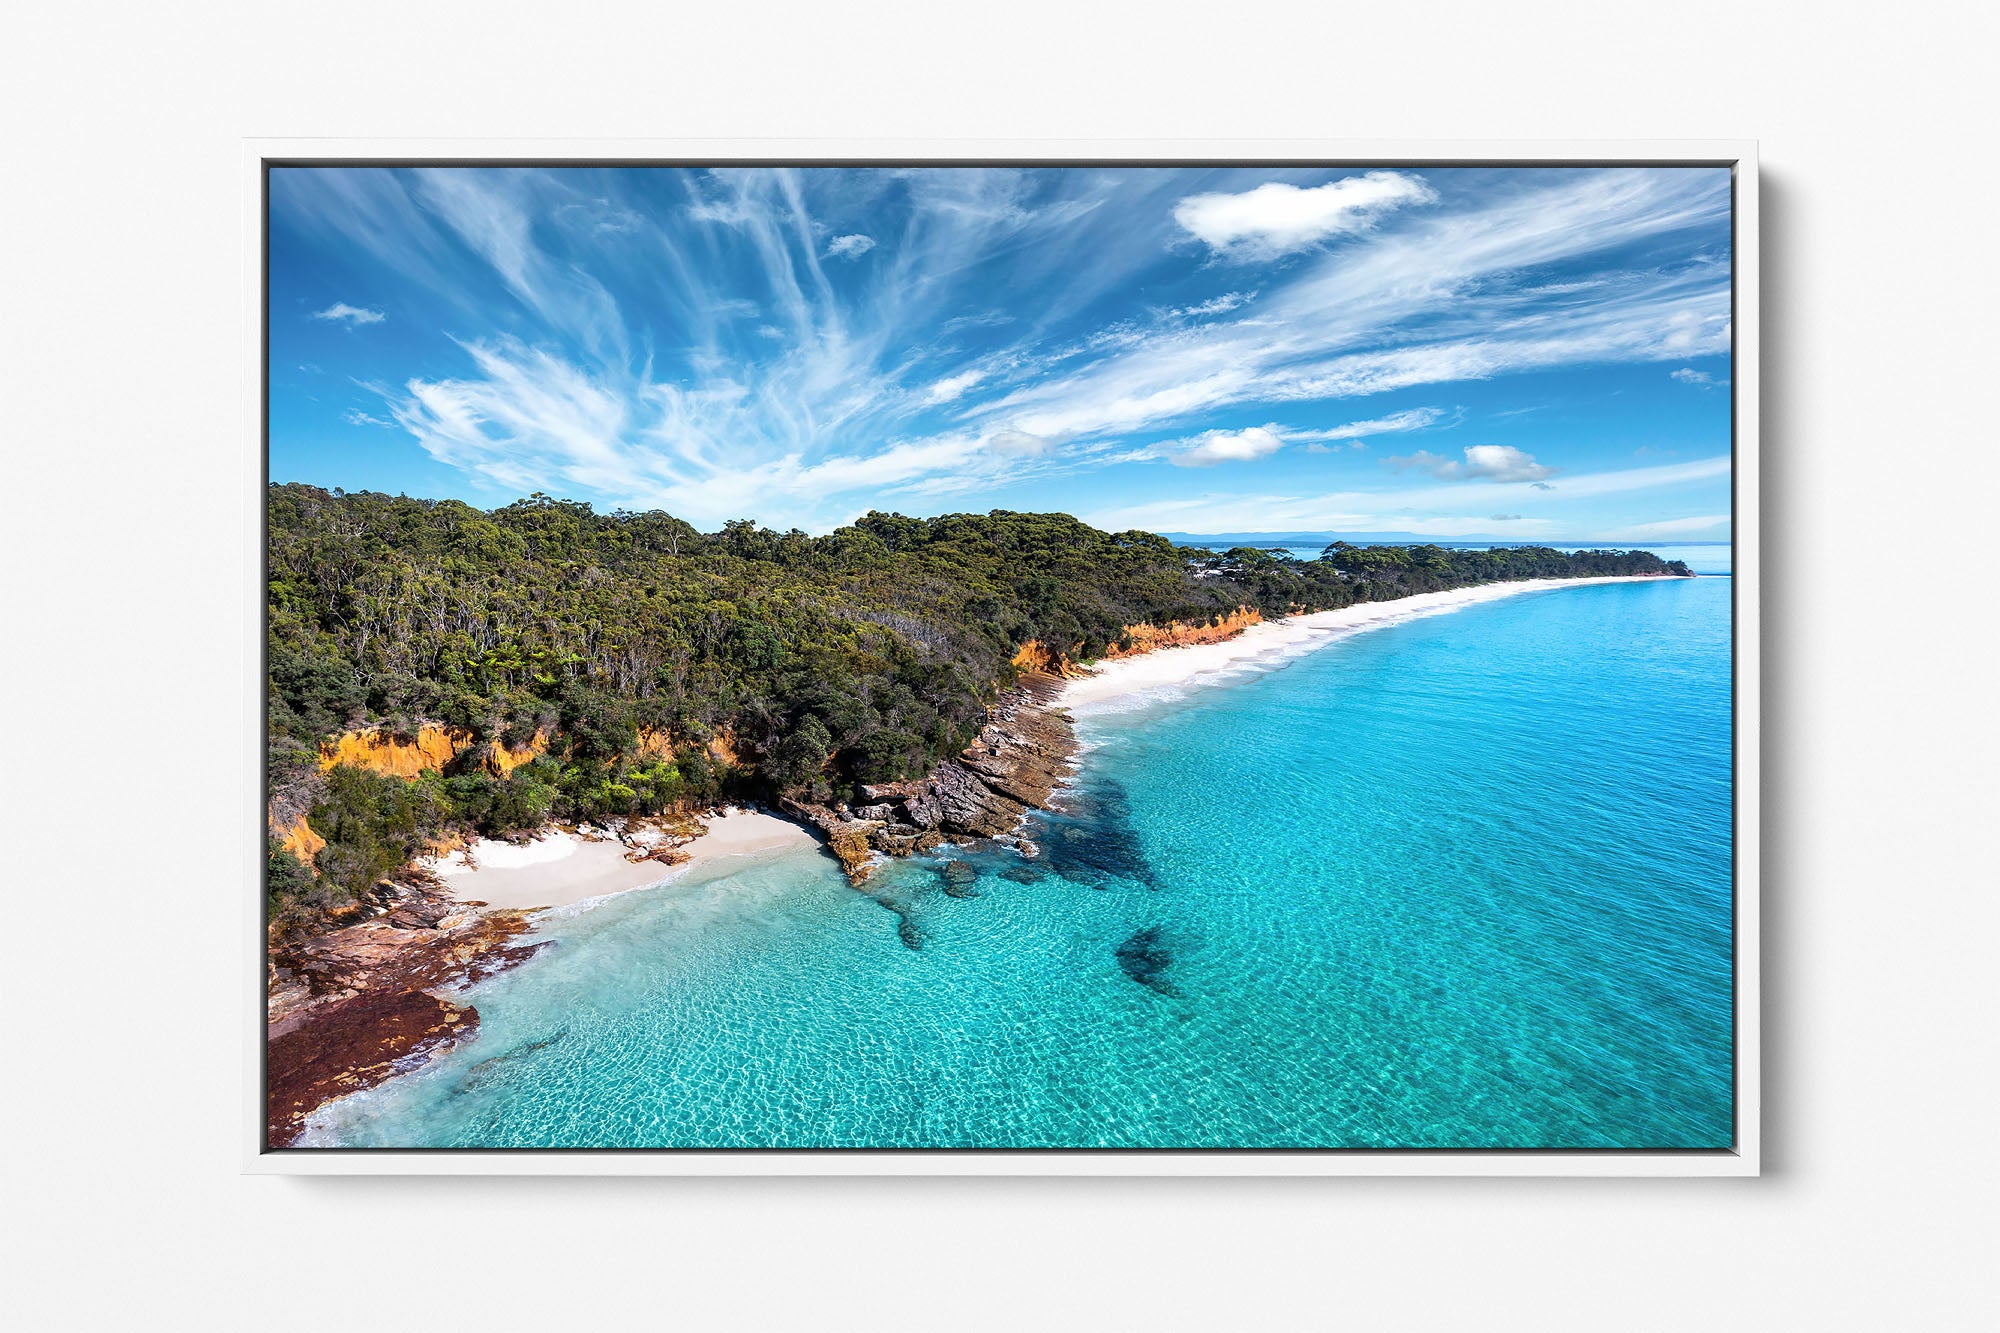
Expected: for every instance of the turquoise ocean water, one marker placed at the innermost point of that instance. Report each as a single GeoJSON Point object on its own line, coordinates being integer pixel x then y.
{"type": "Point", "coordinates": [1458, 882]}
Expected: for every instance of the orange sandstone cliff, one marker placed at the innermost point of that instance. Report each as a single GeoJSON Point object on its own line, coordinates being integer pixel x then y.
{"type": "Point", "coordinates": [500, 760]}
{"type": "Point", "coordinates": [1035, 656]}
{"type": "Point", "coordinates": [300, 840]}
{"type": "Point", "coordinates": [378, 751]}
{"type": "Point", "coordinates": [1177, 633]}
{"type": "Point", "coordinates": [653, 745]}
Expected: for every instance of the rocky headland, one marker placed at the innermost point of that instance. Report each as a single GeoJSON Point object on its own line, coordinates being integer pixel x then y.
{"type": "Point", "coordinates": [359, 1005]}
{"type": "Point", "coordinates": [1022, 756]}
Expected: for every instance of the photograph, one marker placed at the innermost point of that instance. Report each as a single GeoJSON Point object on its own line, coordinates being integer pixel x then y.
{"type": "Point", "coordinates": [1002, 656]}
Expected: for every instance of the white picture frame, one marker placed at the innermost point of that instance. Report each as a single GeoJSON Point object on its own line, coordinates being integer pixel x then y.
{"type": "Point", "coordinates": [1743, 1159]}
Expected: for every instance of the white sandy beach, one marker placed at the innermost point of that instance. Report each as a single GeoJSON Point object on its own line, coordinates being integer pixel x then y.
{"type": "Point", "coordinates": [561, 868]}
{"type": "Point", "coordinates": [1114, 684]}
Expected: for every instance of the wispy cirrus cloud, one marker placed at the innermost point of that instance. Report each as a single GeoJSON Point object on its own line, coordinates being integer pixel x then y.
{"type": "Point", "coordinates": [1416, 307]}
{"type": "Point", "coordinates": [1696, 526]}
{"type": "Point", "coordinates": [341, 312]}
{"type": "Point", "coordinates": [1215, 305]}
{"type": "Point", "coordinates": [1416, 418]}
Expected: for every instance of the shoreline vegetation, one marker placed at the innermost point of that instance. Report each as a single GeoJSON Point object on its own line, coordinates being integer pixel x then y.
{"type": "Point", "coordinates": [474, 716]}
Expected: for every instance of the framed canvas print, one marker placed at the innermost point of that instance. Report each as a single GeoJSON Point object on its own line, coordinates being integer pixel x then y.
{"type": "Point", "coordinates": [1054, 658]}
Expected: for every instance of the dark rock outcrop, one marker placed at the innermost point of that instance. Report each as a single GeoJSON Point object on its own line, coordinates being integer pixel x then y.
{"type": "Point", "coordinates": [356, 1006]}
{"type": "Point", "coordinates": [959, 879]}
{"type": "Point", "coordinates": [1021, 757]}
{"type": "Point", "coordinates": [347, 1045]}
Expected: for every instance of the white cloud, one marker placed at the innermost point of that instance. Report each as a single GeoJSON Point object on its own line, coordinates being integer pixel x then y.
{"type": "Point", "coordinates": [354, 315]}
{"type": "Point", "coordinates": [851, 246]}
{"type": "Point", "coordinates": [1642, 478]}
{"type": "Point", "coordinates": [1220, 305]}
{"type": "Point", "coordinates": [1276, 219]}
{"type": "Point", "coordinates": [989, 319]}
{"type": "Point", "coordinates": [721, 211]}
{"type": "Point", "coordinates": [1700, 379]}
{"type": "Point", "coordinates": [600, 216]}
{"type": "Point", "coordinates": [1016, 442]}
{"type": "Point", "coordinates": [496, 216]}
{"type": "Point", "coordinates": [1483, 462]}
{"type": "Point", "coordinates": [529, 420]}
{"type": "Point", "coordinates": [1417, 418]}
{"type": "Point", "coordinates": [953, 386]}
{"type": "Point", "coordinates": [356, 417]}
{"type": "Point", "coordinates": [1224, 446]}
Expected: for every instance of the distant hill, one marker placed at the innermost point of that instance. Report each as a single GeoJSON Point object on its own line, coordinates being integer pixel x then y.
{"type": "Point", "coordinates": [1225, 540]}
{"type": "Point", "coordinates": [1218, 541]}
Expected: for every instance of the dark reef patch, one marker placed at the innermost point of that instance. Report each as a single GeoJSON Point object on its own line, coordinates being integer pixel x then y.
{"type": "Point", "coordinates": [498, 1067]}
{"type": "Point", "coordinates": [1145, 959]}
{"type": "Point", "coordinates": [1095, 843]}
{"type": "Point", "coordinates": [900, 895]}
{"type": "Point", "coordinates": [959, 879]}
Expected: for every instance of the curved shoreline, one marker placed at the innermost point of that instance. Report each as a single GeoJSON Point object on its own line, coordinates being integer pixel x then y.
{"type": "Point", "coordinates": [1111, 685]}
{"type": "Point", "coordinates": [560, 869]}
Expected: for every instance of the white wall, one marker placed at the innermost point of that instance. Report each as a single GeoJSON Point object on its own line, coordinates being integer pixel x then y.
{"type": "Point", "coordinates": [123, 322]}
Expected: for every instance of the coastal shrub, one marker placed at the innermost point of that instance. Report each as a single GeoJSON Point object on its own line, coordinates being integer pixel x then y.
{"type": "Point", "coordinates": [373, 825]}
{"type": "Point", "coordinates": [798, 762]}
{"type": "Point", "coordinates": [286, 878]}
{"type": "Point", "coordinates": [524, 801]}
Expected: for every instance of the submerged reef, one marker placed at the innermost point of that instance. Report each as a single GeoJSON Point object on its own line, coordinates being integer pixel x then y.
{"type": "Point", "coordinates": [1145, 959]}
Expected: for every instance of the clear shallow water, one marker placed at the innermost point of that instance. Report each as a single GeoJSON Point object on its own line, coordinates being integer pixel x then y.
{"type": "Point", "coordinates": [1464, 881]}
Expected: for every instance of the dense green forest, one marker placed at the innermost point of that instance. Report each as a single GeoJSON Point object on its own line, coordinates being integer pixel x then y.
{"type": "Point", "coordinates": [861, 656]}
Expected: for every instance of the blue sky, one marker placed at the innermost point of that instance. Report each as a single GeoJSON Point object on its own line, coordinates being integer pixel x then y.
{"type": "Point", "coordinates": [1539, 354]}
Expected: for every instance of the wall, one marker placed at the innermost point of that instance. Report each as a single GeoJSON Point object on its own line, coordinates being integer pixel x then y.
{"type": "Point", "coordinates": [125, 499]}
